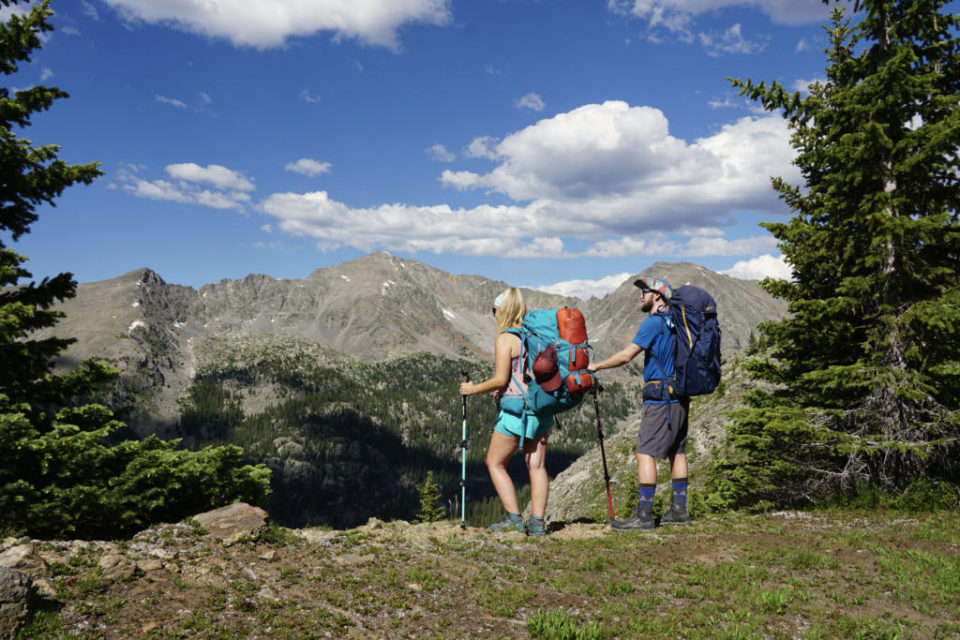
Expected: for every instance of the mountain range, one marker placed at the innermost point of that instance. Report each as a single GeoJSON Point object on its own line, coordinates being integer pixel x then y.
{"type": "Point", "coordinates": [370, 309]}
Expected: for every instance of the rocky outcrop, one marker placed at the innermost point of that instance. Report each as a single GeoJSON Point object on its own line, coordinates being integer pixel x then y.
{"type": "Point", "coordinates": [29, 568]}
{"type": "Point", "coordinates": [15, 601]}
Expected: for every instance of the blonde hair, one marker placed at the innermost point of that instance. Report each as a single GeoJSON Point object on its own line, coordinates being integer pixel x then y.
{"type": "Point", "coordinates": [512, 309]}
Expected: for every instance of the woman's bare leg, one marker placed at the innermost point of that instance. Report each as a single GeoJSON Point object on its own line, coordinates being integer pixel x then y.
{"type": "Point", "coordinates": [498, 455]}
{"type": "Point", "coordinates": [535, 453]}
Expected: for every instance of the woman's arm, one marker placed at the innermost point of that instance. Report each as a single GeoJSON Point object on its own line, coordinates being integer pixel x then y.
{"type": "Point", "coordinates": [503, 354]}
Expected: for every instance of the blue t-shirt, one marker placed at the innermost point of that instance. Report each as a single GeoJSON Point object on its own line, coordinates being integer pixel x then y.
{"type": "Point", "coordinates": [656, 339]}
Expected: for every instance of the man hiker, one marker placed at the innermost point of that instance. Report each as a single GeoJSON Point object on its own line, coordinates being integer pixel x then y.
{"type": "Point", "coordinates": [663, 421]}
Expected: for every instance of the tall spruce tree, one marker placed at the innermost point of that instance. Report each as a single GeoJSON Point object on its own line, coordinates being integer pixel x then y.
{"type": "Point", "coordinates": [60, 472]}
{"type": "Point", "coordinates": [868, 361]}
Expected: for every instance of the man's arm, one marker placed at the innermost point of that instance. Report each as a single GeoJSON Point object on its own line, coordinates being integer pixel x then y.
{"type": "Point", "coordinates": [618, 359]}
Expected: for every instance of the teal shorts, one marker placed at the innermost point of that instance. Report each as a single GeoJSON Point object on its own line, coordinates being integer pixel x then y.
{"type": "Point", "coordinates": [511, 425]}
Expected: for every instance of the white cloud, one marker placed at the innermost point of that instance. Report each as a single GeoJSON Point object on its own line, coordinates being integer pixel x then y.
{"type": "Point", "coordinates": [459, 180]}
{"type": "Point", "coordinates": [173, 102]}
{"type": "Point", "coordinates": [90, 10]}
{"type": "Point", "coordinates": [440, 153]}
{"type": "Point", "coordinates": [608, 175]}
{"type": "Point", "coordinates": [764, 266]}
{"type": "Point", "coordinates": [586, 289]}
{"type": "Point", "coordinates": [485, 230]}
{"type": "Point", "coordinates": [801, 46]}
{"type": "Point", "coordinates": [157, 190]}
{"type": "Point", "coordinates": [214, 174]}
{"type": "Point", "coordinates": [530, 101]}
{"type": "Point", "coordinates": [265, 24]}
{"type": "Point", "coordinates": [481, 148]}
{"type": "Point", "coordinates": [306, 96]}
{"type": "Point", "coordinates": [677, 14]}
{"type": "Point", "coordinates": [656, 244]}
{"type": "Point", "coordinates": [309, 167]}
{"type": "Point", "coordinates": [726, 103]}
{"type": "Point", "coordinates": [706, 243]}
{"type": "Point", "coordinates": [729, 41]}
{"type": "Point", "coordinates": [803, 84]}
{"type": "Point", "coordinates": [713, 246]}
{"type": "Point", "coordinates": [680, 18]}
{"type": "Point", "coordinates": [205, 98]}
{"type": "Point", "coordinates": [45, 74]}
{"type": "Point", "coordinates": [620, 163]}
{"type": "Point", "coordinates": [220, 200]}
{"type": "Point", "coordinates": [16, 10]}
{"type": "Point", "coordinates": [230, 188]}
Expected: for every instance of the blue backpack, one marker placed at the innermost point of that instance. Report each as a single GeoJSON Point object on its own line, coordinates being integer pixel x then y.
{"type": "Point", "coordinates": [696, 345]}
{"type": "Point", "coordinates": [549, 336]}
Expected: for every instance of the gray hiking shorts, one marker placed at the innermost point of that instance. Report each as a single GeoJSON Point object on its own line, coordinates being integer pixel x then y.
{"type": "Point", "coordinates": [657, 437]}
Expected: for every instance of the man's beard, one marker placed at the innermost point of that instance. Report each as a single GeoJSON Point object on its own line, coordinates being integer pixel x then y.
{"type": "Point", "coordinates": [647, 306]}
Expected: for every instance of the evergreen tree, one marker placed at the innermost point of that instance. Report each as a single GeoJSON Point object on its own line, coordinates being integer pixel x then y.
{"type": "Point", "coordinates": [60, 474]}
{"type": "Point", "coordinates": [868, 360]}
{"type": "Point", "coordinates": [430, 509]}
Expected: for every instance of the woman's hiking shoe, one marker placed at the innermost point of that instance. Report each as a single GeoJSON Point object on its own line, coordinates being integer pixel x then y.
{"type": "Point", "coordinates": [637, 522]}
{"type": "Point", "coordinates": [675, 515]}
{"type": "Point", "coordinates": [513, 522]}
{"type": "Point", "coordinates": [535, 527]}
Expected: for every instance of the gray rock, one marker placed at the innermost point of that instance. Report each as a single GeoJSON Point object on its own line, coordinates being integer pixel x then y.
{"type": "Point", "coordinates": [233, 521]}
{"type": "Point", "coordinates": [149, 565]}
{"type": "Point", "coordinates": [268, 594]}
{"type": "Point", "coordinates": [24, 557]}
{"type": "Point", "coordinates": [15, 601]}
{"type": "Point", "coordinates": [116, 567]}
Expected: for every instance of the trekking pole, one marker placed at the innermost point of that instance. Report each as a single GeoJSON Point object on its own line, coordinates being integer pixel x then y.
{"type": "Point", "coordinates": [603, 453]}
{"type": "Point", "coordinates": [465, 377]}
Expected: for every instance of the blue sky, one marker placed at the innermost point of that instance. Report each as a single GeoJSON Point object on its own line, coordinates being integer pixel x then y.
{"type": "Point", "coordinates": [532, 141]}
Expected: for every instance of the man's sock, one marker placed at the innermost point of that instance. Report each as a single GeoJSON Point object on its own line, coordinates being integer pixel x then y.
{"type": "Point", "coordinates": [680, 493]}
{"type": "Point", "coordinates": [645, 506]}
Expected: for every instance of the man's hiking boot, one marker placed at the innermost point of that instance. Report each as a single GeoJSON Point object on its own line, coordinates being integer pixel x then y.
{"type": "Point", "coordinates": [675, 515]}
{"type": "Point", "coordinates": [535, 527]}
{"type": "Point", "coordinates": [637, 522]}
{"type": "Point", "coordinates": [513, 522]}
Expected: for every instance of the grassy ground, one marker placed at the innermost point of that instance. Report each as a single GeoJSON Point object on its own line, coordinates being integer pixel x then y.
{"type": "Point", "coordinates": [816, 575]}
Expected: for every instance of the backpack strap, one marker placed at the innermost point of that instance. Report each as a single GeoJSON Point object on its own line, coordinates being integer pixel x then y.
{"type": "Point", "coordinates": [664, 392]}
{"type": "Point", "coordinates": [519, 386]}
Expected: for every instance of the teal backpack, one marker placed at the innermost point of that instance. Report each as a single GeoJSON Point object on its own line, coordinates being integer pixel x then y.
{"type": "Point", "coordinates": [555, 353]}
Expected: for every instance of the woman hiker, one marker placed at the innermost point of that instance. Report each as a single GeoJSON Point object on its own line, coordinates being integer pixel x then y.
{"type": "Point", "coordinates": [509, 310]}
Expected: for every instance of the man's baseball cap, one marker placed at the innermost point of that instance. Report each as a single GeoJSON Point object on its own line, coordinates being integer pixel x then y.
{"type": "Point", "coordinates": [656, 285]}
